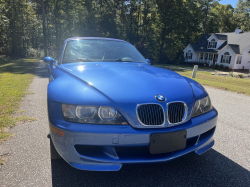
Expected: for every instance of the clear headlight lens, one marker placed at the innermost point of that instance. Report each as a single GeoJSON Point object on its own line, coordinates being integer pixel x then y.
{"type": "Point", "coordinates": [92, 115]}
{"type": "Point", "coordinates": [105, 112]}
{"type": "Point", "coordinates": [202, 106]}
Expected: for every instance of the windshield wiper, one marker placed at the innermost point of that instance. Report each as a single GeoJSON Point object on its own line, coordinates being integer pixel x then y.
{"type": "Point", "coordinates": [79, 60]}
{"type": "Point", "coordinates": [120, 60]}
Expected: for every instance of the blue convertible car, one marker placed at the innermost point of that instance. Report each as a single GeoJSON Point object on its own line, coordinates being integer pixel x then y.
{"type": "Point", "coordinates": [107, 106]}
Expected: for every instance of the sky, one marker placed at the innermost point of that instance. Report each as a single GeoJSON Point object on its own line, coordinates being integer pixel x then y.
{"type": "Point", "coordinates": [232, 2]}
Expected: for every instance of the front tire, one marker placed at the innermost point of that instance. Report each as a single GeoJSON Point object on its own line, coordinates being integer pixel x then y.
{"type": "Point", "coordinates": [53, 152]}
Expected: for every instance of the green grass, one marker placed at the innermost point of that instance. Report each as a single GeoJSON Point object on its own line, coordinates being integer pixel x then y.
{"type": "Point", "coordinates": [225, 83]}
{"type": "Point", "coordinates": [15, 77]}
{"type": "Point", "coordinates": [183, 66]}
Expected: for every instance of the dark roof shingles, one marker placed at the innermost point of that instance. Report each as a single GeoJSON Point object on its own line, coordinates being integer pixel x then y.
{"type": "Point", "coordinates": [241, 39]}
{"type": "Point", "coordinates": [238, 42]}
{"type": "Point", "coordinates": [235, 48]}
{"type": "Point", "coordinates": [201, 44]}
{"type": "Point", "coordinates": [221, 37]}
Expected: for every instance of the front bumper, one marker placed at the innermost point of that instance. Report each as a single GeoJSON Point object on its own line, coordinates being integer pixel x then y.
{"type": "Point", "coordinates": [107, 147]}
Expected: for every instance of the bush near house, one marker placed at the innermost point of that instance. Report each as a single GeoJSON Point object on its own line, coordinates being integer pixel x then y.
{"type": "Point", "coordinates": [216, 66]}
{"type": "Point", "coordinates": [231, 74]}
{"type": "Point", "coordinates": [240, 75]}
{"type": "Point", "coordinates": [221, 66]}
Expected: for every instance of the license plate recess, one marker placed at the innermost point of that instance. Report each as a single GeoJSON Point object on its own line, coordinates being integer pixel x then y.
{"type": "Point", "coordinates": [167, 142]}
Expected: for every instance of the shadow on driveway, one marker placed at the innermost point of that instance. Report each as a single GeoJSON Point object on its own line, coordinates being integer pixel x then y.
{"type": "Point", "coordinates": [210, 169]}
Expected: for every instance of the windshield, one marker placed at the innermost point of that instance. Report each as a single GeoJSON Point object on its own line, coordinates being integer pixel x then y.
{"type": "Point", "coordinates": [100, 50]}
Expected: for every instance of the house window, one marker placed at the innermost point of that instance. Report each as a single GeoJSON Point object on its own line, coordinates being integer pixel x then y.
{"type": "Point", "coordinates": [226, 58]}
{"type": "Point", "coordinates": [201, 56]}
{"type": "Point", "coordinates": [210, 57]}
{"type": "Point", "coordinates": [189, 55]}
{"type": "Point", "coordinates": [206, 55]}
{"type": "Point", "coordinates": [212, 44]}
{"type": "Point", "coordinates": [239, 59]}
{"type": "Point", "coordinates": [215, 57]}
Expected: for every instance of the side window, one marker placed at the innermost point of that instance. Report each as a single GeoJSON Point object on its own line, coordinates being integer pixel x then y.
{"type": "Point", "coordinates": [201, 56]}
{"type": "Point", "coordinates": [226, 58]}
{"type": "Point", "coordinates": [239, 59]}
{"type": "Point", "coordinates": [189, 54]}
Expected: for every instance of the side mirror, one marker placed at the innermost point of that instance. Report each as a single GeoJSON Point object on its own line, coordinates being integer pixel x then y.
{"type": "Point", "coordinates": [148, 61]}
{"type": "Point", "coordinates": [48, 60]}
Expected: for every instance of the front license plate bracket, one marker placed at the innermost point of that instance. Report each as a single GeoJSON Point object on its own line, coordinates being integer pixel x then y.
{"type": "Point", "coordinates": [167, 142]}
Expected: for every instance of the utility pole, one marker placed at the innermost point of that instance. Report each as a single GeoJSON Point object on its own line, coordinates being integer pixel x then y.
{"type": "Point", "coordinates": [44, 31]}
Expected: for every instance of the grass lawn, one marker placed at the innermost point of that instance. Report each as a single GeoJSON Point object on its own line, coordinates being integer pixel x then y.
{"type": "Point", "coordinates": [225, 83]}
{"type": "Point", "coordinates": [183, 66]}
{"type": "Point", "coordinates": [15, 77]}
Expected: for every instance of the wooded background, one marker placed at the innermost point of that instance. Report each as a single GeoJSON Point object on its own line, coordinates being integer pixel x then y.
{"type": "Point", "coordinates": [160, 29]}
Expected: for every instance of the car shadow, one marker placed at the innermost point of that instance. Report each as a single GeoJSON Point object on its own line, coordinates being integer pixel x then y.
{"type": "Point", "coordinates": [210, 169]}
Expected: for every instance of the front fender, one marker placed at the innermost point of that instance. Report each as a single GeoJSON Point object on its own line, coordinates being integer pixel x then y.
{"type": "Point", "coordinates": [198, 90]}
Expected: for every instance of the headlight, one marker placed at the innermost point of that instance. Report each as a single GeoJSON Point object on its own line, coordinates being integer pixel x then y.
{"type": "Point", "coordinates": [202, 106]}
{"type": "Point", "coordinates": [92, 115]}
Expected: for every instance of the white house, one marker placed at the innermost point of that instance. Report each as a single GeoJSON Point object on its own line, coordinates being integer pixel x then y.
{"type": "Point", "coordinates": [228, 49]}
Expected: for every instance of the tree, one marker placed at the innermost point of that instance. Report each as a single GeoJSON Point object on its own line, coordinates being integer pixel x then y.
{"type": "Point", "coordinates": [242, 15]}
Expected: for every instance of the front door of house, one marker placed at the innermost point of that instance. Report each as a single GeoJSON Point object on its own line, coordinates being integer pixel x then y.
{"type": "Point", "coordinates": [215, 58]}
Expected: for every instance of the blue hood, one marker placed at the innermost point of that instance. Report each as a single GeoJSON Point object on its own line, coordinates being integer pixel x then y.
{"type": "Point", "coordinates": [118, 84]}
{"type": "Point", "coordinates": [131, 82]}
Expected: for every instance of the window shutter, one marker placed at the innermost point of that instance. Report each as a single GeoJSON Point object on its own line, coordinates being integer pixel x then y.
{"type": "Point", "coordinates": [186, 55]}
{"type": "Point", "coordinates": [221, 58]}
{"type": "Point", "coordinates": [215, 44]}
{"type": "Point", "coordinates": [191, 55]}
{"type": "Point", "coordinates": [208, 44]}
{"type": "Point", "coordinates": [229, 59]}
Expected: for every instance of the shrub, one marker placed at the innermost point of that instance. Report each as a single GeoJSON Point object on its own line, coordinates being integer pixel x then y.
{"type": "Point", "coordinates": [39, 53]}
{"type": "Point", "coordinates": [240, 75]}
{"type": "Point", "coordinates": [226, 67]}
{"type": "Point", "coordinates": [206, 64]}
{"type": "Point", "coordinates": [231, 74]}
{"type": "Point", "coordinates": [221, 66]}
{"type": "Point", "coordinates": [216, 66]}
{"type": "Point", "coordinates": [34, 53]}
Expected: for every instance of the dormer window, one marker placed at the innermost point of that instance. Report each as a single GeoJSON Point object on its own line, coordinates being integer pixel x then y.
{"type": "Point", "coordinates": [212, 44]}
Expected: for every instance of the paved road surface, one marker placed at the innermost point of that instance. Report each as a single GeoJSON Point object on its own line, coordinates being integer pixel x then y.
{"type": "Point", "coordinates": [226, 164]}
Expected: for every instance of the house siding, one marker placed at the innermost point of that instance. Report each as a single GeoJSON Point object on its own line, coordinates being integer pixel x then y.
{"type": "Point", "coordinates": [219, 43]}
{"type": "Point", "coordinates": [245, 60]}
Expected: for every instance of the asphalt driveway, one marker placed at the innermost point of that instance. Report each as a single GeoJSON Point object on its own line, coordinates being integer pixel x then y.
{"type": "Point", "coordinates": [28, 161]}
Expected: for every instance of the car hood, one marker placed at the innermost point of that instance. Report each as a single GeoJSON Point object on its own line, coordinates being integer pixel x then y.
{"type": "Point", "coordinates": [129, 84]}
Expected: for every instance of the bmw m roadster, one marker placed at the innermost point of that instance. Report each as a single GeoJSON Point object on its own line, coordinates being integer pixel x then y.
{"type": "Point", "coordinates": [107, 106]}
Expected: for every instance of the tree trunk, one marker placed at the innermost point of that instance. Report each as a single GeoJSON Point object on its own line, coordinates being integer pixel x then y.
{"type": "Point", "coordinates": [44, 31]}
{"type": "Point", "coordinates": [205, 24]}
{"type": "Point", "coordinates": [162, 44]}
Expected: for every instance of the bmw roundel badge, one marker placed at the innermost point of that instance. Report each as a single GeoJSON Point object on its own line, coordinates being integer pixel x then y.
{"type": "Point", "coordinates": [160, 98]}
